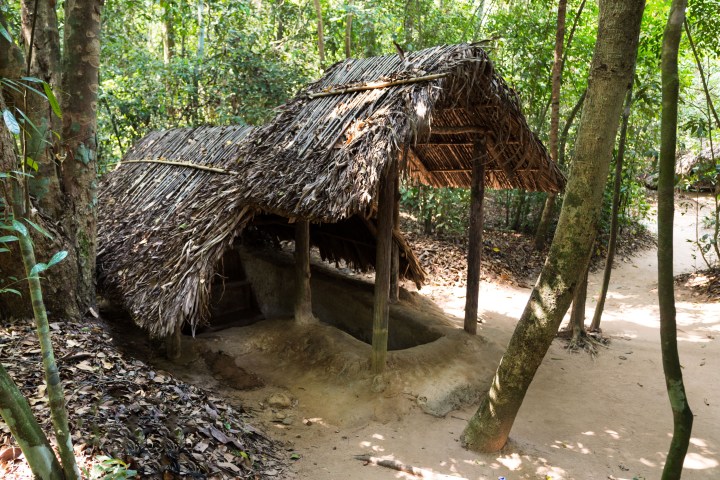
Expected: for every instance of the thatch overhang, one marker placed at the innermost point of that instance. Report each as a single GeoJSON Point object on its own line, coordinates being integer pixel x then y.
{"type": "Point", "coordinates": [163, 228]}
{"type": "Point", "coordinates": [174, 206]}
{"type": "Point", "coordinates": [330, 145]}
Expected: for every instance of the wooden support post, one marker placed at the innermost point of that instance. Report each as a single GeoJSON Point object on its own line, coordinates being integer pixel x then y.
{"type": "Point", "coordinates": [477, 192]}
{"type": "Point", "coordinates": [173, 343]}
{"type": "Point", "coordinates": [395, 260]}
{"type": "Point", "coordinates": [303, 294]}
{"type": "Point", "coordinates": [381, 311]}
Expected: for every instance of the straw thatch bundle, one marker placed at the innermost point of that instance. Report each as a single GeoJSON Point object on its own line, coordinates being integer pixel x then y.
{"type": "Point", "coordinates": [322, 156]}
{"type": "Point", "coordinates": [162, 228]}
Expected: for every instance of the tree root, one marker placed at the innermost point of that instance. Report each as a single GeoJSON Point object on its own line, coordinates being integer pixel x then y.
{"type": "Point", "coordinates": [586, 341]}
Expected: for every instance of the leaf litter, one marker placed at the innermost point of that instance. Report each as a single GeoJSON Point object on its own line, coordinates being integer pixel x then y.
{"type": "Point", "coordinates": [123, 408]}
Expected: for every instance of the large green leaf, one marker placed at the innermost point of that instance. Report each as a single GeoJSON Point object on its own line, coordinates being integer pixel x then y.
{"type": "Point", "coordinates": [8, 239]}
{"type": "Point", "coordinates": [51, 98]}
{"type": "Point", "coordinates": [11, 122]}
{"type": "Point", "coordinates": [20, 228]}
{"type": "Point", "coordinates": [57, 258]}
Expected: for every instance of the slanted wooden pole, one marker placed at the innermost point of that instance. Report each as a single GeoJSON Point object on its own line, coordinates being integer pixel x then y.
{"type": "Point", "coordinates": [386, 200]}
{"type": "Point", "coordinates": [303, 299]}
{"type": "Point", "coordinates": [395, 260]}
{"type": "Point", "coordinates": [477, 192]}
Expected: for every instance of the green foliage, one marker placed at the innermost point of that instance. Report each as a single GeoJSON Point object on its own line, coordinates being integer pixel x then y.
{"type": "Point", "coordinates": [108, 468]}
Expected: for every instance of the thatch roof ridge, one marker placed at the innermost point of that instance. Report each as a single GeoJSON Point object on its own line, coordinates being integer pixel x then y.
{"type": "Point", "coordinates": [329, 152]}
{"type": "Point", "coordinates": [160, 234]}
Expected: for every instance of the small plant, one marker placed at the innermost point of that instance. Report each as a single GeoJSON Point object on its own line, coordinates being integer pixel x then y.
{"type": "Point", "coordinates": [109, 468]}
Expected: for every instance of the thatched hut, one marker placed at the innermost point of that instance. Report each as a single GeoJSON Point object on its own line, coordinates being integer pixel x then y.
{"type": "Point", "coordinates": [168, 217]}
{"type": "Point", "coordinates": [332, 158]}
{"type": "Point", "coordinates": [441, 116]}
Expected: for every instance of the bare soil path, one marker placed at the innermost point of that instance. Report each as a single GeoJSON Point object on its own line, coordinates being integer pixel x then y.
{"type": "Point", "coordinates": [606, 417]}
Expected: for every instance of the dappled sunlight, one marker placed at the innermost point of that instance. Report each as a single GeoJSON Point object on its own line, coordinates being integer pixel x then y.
{"type": "Point", "coordinates": [511, 462]}
{"type": "Point", "coordinates": [575, 447]}
{"type": "Point", "coordinates": [695, 461]}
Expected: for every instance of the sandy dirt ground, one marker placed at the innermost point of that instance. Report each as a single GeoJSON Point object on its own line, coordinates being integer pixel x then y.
{"type": "Point", "coordinates": [601, 417]}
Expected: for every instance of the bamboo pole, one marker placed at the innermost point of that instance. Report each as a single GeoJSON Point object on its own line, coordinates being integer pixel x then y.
{"type": "Point", "coordinates": [303, 294]}
{"type": "Point", "coordinates": [477, 191]}
{"type": "Point", "coordinates": [381, 310]}
{"type": "Point", "coordinates": [376, 85]}
{"type": "Point", "coordinates": [183, 164]}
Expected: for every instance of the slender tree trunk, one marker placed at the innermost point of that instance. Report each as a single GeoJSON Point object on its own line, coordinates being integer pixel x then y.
{"type": "Point", "coordinates": [80, 85]}
{"type": "Point", "coordinates": [168, 31]}
{"type": "Point", "coordinates": [566, 128]}
{"type": "Point", "coordinates": [320, 32]}
{"type": "Point", "coordinates": [26, 431]}
{"type": "Point", "coordinates": [41, 62]}
{"type": "Point", "coordinates": [517, 217]}
{"type": "Point", "coordinates": [612, 242]}
{"type": "Point", "coordinates": [682, 415]}
{"type": "Point", "coordinates": [577, 313]}
{"type": "Point", "coordinates": [303, 294]}
{"type": "Point", "coordinates": [610, 74]}
{"type": "Point", "coordinates": [381, 310]}
{"type": "Point", "coordinates": [348, 29]}
{"type": "Point", "coordinates": [556, 80]}
{"type": "Point", "coordinates": [474, 255]}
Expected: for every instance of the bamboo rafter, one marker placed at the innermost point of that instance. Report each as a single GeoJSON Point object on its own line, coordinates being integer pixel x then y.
{"type": "Point", "coordinates": [375, 85]}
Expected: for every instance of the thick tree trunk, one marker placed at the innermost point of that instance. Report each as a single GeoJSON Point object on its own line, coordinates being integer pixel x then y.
{"type": "Point", "coordinates": [546, 217]}
{"type": "Point", "coordinates": [612, 242]}
{"type": "Point", "coordinates": [682, 415]}
{"type": "Point", "coordinates": [474, 255]}
{"type": "Point", "coordinates": [80, 86]}
{"type": "Point", "coordinates": [26, 431]}
{"type": "Point", "coordinates": [381, 310]}
{"type": "Point", "coordinates": [303, 294]}
{"type": "Point", "coordinates": [610, 74]}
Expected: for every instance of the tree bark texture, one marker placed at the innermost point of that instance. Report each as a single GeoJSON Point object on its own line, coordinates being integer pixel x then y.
{"type": "Point", "coordinates": [610, 75]}
{"type": "Point", "coordinates": [381, 309]}
{"type": "Point", "coordinates": [80, 85]}
{"type": "Point", "coordinates": [25, 430]}
{"type": "Point", "coordinates": [39, 25]}
{"type": "Point", "coordinates": [474, 255]}
{"type": "Point", "coordinates": [577, 313]}
{"type": "Point", "coordinates": [682, 415]}
{"type": "Point", "coordinates": [556, 81]}
{"type": "Point", "coordinates": [614, 224]}
{"type": "Point", "coordinates": [303, 294]}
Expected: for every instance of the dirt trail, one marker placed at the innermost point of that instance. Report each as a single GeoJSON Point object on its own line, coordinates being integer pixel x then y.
{"type": "Point", "coordinates": [606, 417]}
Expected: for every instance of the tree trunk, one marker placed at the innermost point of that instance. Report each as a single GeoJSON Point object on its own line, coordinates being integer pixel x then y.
{"type": "Point", "coordinates": [80, 85]}
{"type": "Point", "coordinates": [577, 313]}
{"type": "Point", "coordinates": [474, 255]}
{"type": "Point", "coordinates": [682, 416]}
{"type": "Point", "coordinates": [26, 431]}
{"type": "Point", "coordinates": [168, 32]}
{"type": "Point", "coordinates": [348, 29]}
{"type": "Point", "coordinates": [41, 62]}
{"type": "Point", "coordinates": [320, 32]}
{"type": "Point", "coordinates": [381, 311]}
{"type": "Point", "coordinates": [612, 242]}
{"type": "Point", "coordinates": [303, 294]}
{"type": "Point", "coordinates": [610, 74]}
{"type": "Point", "coordinates": [566, 128]}
{"type": "Point", "coordinates": [546, 217]}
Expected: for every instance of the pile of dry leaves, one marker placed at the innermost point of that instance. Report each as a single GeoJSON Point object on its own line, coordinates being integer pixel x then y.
{"type": "Point", "coordinates": [507, 257]}
{"type": "Point", "coordinates": [705, 283]}
{"type": "Point", "coordinates": [123, 408]}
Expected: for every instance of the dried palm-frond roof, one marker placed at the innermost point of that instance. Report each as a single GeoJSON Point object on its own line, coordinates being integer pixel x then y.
{"type": "Point", "coordinates": [173, 207]}
{"type": "Point", "coordinates": [322, 156]}
{"type": "Point", "coordinates": [163, 228]}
